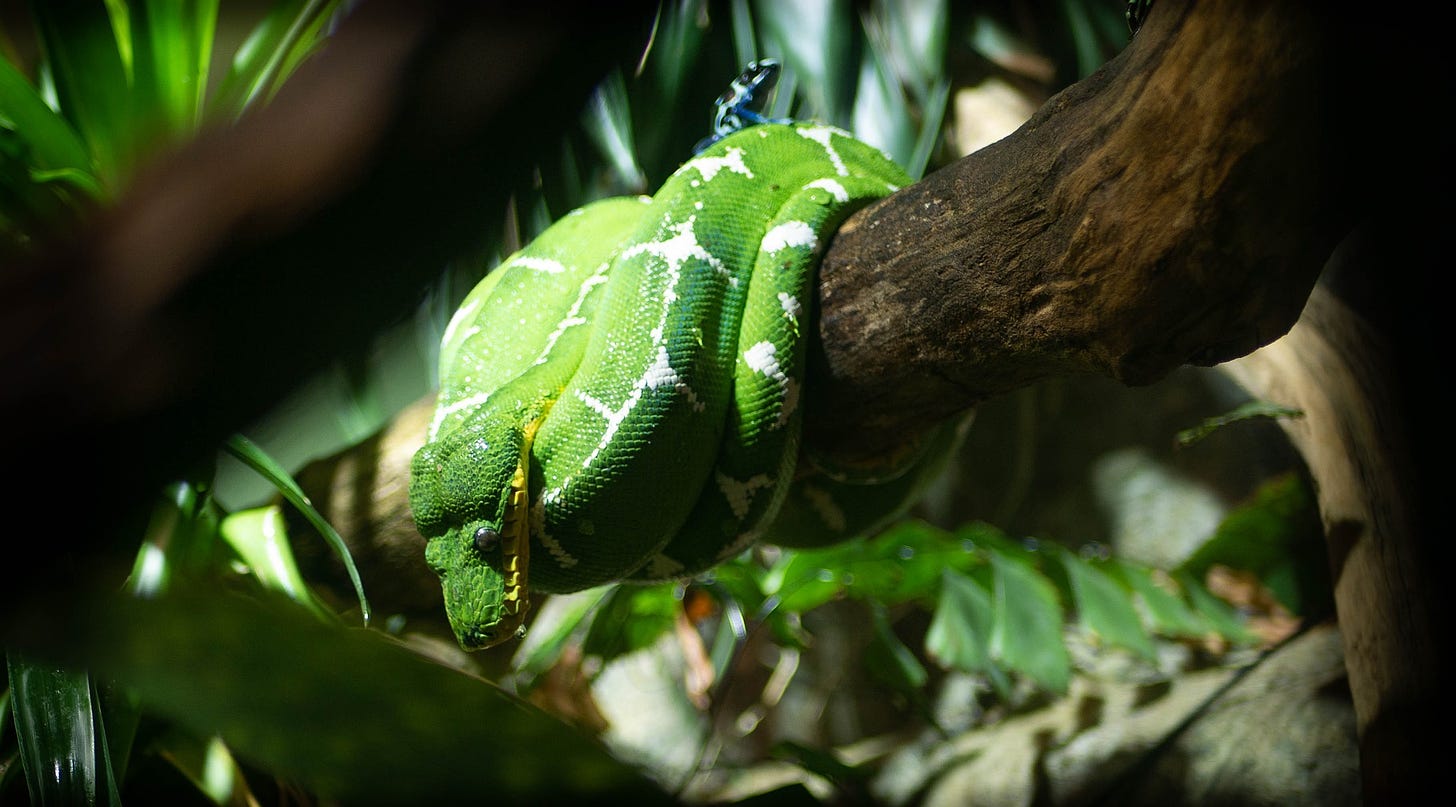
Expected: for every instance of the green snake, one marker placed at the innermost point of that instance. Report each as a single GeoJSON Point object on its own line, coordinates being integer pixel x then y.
{"type": "Point", "coordinates": [622, 399]}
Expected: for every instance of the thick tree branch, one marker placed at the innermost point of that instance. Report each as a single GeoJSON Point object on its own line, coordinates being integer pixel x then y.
{"type": "Point", "coordinates": [1174, 207]}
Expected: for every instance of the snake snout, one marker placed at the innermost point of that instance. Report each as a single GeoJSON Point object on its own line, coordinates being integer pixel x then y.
{"type": "Point", "coordinates": [478, 638]}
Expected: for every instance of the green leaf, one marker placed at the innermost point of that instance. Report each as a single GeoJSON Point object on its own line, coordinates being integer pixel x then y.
{"type": "Point", "coordinates": [255, 458]}
{"type": "Point", "coordinates": [1274, 535]}
{"type": "Point", "coordinates": [384, 725]}
{"type": "Point", "coordinates": [889, 661]}
{"type": "Point", "coordinates": [1245, 411]}
{"type": "Point", "coordinates": [172, 51]}
{"type": "Point", "coordinates": [803, 580]}
{"type": "Point", "coordinates": [1027, 634]}
{"type": "Point", "coordinates": [608, 122]}
{"type": "Point", "coordinates": [1170, 615]}
{"type": "Point", "coordinates": [91, 81]}
{"type": "Point", "coordinates": [631, 618]}
{"type": "Point", "coordinates": [1218, 614]}
{"type": "Point", "coordinates": [815, 42]}
{"type": "Point", "coordinates": [209, 765]}
{"type": "Point", "coordinates": [959, 636]}
{"type": "Point", "coordinates": [1105, 607]}
{"type": "Point", "coordinates": [276, 46]}
{"type": "Point", "coordinates": [55, 729]}
{"type": "Point", "coordinates": [552, 629]}
{"type": "Point", "coordinates": [260, 538]}
{"type": "Point", "coordinates": [50, 141]}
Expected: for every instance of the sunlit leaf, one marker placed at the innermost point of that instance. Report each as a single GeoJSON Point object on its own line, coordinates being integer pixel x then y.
{"type": "Point", "coordinates": [803, 580]}
{"type": "Point", "coordinates": [631, 618]}
{"type": "Point", "coordinates": [814, 40]}
{"type": "Point", "coordinates": [1170, 615]}
{"type": "Point", "coordinates": [959, 636]}
{"type": "Point", "coordinates": [1218, 614]}
{"type": "Point", "coordinates": [172, 51]}
{"type": "Point", "coordinates": [558, 621]}
{"type": "Point", "coordinates": [1244, 411]}
{"type": "Point", "coordinates": [608, 122]}
{"type": "Point", "coordinates": [260, 538]}
{"type": "Point", "coordinates": [51, 141]}
{"type": "Point", "coordinates": [1027, 635]}
{"type": "Point", "coordinates": [55, 728]}
{"type": "Point", "coordinates": [255, 458]}
{"type": "Point", "coordinates": [1106, 607]}
{"type": "Point", "coordinates": [91, 83]}
{"type": "Point", "coordinates": [209, 765]}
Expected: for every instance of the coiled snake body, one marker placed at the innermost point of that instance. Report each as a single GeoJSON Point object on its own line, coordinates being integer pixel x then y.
{"type": "Point", "coordinates": [622, 398]}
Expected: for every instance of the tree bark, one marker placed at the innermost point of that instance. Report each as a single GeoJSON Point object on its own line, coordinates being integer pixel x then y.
{"type": "Point", "coordinates": [1175, 207]}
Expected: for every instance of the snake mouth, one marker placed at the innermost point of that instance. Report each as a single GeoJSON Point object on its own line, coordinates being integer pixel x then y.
{"type": "Point", "coordinates": [481, 638]}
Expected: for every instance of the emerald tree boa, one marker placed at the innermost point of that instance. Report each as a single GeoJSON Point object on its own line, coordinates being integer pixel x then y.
{"type": "Point", "coordinates": [622, 399]}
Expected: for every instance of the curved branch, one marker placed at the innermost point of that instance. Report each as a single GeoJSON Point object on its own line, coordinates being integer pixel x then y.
{"type": "Point", "coordinates": [1174, 207]}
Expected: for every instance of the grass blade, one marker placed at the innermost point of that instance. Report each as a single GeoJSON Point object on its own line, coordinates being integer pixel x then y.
{"type": "Point", "coordinates": [90, 79]}
{"type": "Point", "coordinates": [172, 50]}
{"type": "Point", "coordinates": [255, 458]}
{"type": "Point", "coordinates": [50, 142]}
{"type": "Point", "coordinates": [261, 540]}
{"type": "Point", "coordinates": [54, 727]}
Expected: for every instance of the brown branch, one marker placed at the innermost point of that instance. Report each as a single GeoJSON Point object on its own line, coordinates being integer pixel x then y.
{"type": "Point", "coordinates": [1174, 207]}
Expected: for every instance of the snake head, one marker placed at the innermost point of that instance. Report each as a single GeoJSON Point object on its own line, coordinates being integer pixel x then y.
{"type": "Point", "coordinates": [466, 500]}
{"type": "Point", "coordinates": [483, 608]}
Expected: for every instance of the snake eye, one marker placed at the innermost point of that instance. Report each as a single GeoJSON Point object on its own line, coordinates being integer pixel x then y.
{"type": "Point", "coordinates": [486, 539]}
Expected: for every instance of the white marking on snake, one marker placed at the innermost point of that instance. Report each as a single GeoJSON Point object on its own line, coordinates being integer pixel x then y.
{"type": "Point", "coordinates": [788, 235]}
{"type": "Point", "coordinates": [790, 304]}
{"type": "Point", "coordinates": [822, 135]}
{"type": "Point", "coordinates": [760, 358]}
{"type": "Point", "coordinates": [443, 412]}
{"type": "Point", "coordinates": [661, 374]}
{"type": "Point", "coordinates": [740, 494]}
{"type": "Point", "coordinates": [573, 315]}
{"type": "Point", "coordinates": [709, 167]}
{"type": "Point", "coordinates": [538, 527]}
{"type": "Point", "coordinates": [674, 251]}
{"type": "Point", "coordinates": [546, 265]}
{"type": "Point", "coordinates": [835, 189]}
{"type": "Point", "coordinates": [466, 312]}
{"type": "Point", "coordinates": [825, 507]}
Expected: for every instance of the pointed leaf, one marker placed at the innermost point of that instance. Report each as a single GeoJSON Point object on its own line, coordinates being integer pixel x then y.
{"type": "Point", "coordinates": [49, 139]}
{"type": "Point", "coordinates": [803, 580]}
{"type": "Point", "coordinates": [55, 729]}
{"type": "Point", "coordinates": [382, 721]}
{"type": "Point", "coordinates": [260, 538]}
{"type": "Point", "coordinates": [1220, 615]}
{"type": "Point", "coordinates": [959, 636]}
{"type": "Point", "coordinates": [1169, 614]}
{"type": "Point", "coordinates": [890, 661]}
{"type": "Point", "coordinates": [91, 80]}
{"type": "Point", "coordinates": [557, 622]}
{"type": "Point", "coordinates": [1027, 636]}
{"type": "Point", "coordinates": [172, 51]}
{"type": "Point", "coordinates": [255, 458]}
{"type": "Point", "coordinates": [631, 618]}
{"type": "Point", "coordinates": [1105, 607]}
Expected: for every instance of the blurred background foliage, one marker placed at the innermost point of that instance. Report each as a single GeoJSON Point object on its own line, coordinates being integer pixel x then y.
{"type": "Point", "coordinates": [1075, 537]}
